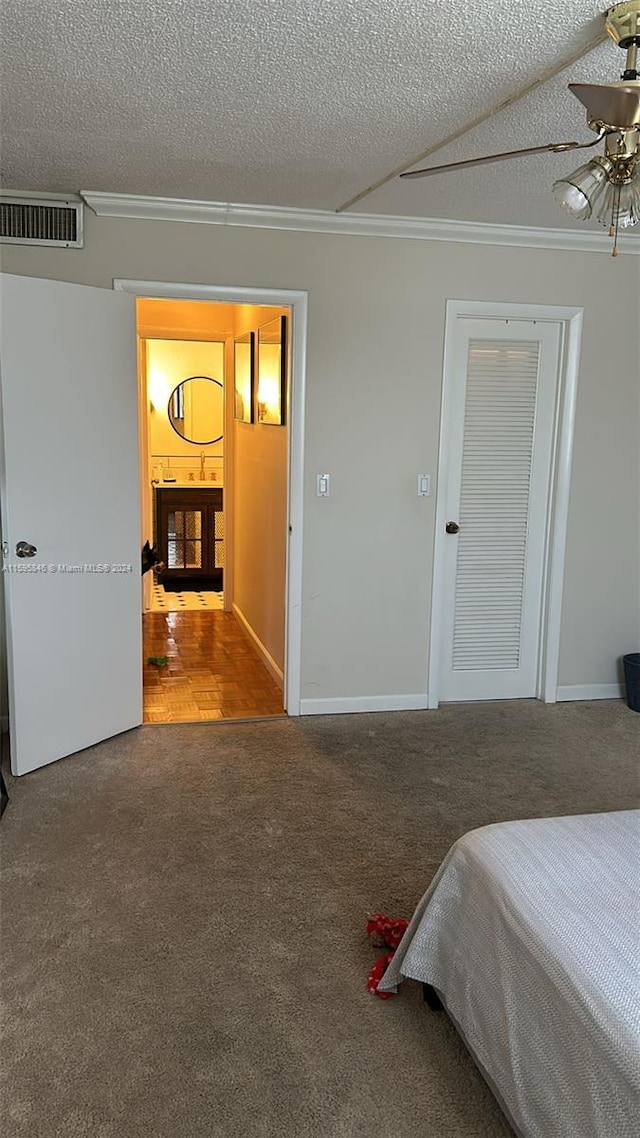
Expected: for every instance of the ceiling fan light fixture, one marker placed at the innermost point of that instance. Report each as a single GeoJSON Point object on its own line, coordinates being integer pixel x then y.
{"type": "Point", "coordinates": [629, 208]}
{"type": "Point", "coordinates": [607, 188]}
{"type": "Point", "coordinates": [580, 191]}
{"type": "Point", "coordinates": [619, 208]}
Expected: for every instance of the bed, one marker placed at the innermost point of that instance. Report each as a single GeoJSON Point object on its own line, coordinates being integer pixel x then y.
{"type": "Point", "coordinates": [529, 934]}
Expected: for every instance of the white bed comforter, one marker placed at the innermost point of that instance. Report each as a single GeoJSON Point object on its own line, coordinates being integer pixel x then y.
{"type": "Point", "coordinates": [531, 932]}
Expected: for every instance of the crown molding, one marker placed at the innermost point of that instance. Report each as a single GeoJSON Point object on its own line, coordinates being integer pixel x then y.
{"type": "Point", "coordinates": [351, 224]}
{"type": "Point", "coordinates": [41, 195]}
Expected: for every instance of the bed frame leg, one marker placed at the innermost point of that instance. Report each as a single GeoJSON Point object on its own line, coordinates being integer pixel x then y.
{"type": "Point", "coordinates": [431, 998]}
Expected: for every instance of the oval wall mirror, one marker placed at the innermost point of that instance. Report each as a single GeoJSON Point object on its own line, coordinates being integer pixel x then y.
{"type": "Point", "coordinates": [196, 410]}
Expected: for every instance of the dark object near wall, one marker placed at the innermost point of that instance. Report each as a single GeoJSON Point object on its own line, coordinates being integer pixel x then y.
{"type": "Point", "coordinates": [4, 797]}
{"type": "Point", "coordinates": [632, 679]}
{"type": "Point", "coordinates": [150, 559]}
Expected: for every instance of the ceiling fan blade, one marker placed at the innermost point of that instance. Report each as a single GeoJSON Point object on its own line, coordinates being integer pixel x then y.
{"type": "Point", "coordinates": [617, 106]}
{"type": "Point", "coordinates": [553, 147]}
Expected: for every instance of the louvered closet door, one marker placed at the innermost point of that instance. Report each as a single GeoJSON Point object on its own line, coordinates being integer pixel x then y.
{"type": "Point", "coordinates": [500, 434]}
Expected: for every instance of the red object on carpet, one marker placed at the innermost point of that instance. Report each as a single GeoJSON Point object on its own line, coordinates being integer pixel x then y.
{"type": "Point", "coordinates": [383, 930]}
{"type": "Point", "coordinates": [376, 974]}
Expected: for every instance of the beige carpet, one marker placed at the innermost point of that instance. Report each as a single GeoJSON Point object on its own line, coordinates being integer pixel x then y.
{"type": "Point", "coordinates": [183, 951]}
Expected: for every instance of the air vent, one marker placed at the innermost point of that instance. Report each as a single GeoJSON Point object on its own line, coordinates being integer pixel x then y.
{"type": "Point", "coordinates": [41, 221]}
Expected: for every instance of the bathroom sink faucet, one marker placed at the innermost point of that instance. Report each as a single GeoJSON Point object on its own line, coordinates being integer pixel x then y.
{"type": "Point", "coordinates": [202, 473]}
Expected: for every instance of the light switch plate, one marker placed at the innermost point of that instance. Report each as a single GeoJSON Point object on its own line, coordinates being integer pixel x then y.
{"type": "Point", "coordinates": [424, 485]}
{"type": "Point", "coordinates": [323, 485]}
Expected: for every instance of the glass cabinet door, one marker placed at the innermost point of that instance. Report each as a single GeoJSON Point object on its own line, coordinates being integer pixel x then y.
{"type": "Point", "coordinates": [185, 529]}
{"type": "Point", "coordinates": [218, 536]}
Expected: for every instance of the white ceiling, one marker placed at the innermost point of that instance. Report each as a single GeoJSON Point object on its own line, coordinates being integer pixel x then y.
{"type": "Point", "coordinates": [297, 103]}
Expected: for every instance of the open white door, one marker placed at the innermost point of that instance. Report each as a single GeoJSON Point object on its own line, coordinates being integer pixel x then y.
{"type": "Point", "coordinates": [69, 487]}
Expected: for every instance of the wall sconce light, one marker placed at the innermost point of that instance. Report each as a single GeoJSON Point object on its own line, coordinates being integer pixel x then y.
{"type": "Point", "coordinates": [268, 397]}
{"type": "Point", "coordinates": [271, 391]}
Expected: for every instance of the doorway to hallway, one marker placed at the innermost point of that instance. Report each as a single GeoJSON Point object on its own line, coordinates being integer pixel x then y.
{"type": "Point", "coordinates": [214, 443]}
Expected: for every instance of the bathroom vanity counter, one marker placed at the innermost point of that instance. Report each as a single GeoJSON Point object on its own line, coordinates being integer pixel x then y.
{"type": "Point", "coordinates": [182, 485]}
{"type": "Point", "coordinates": [189, 532]}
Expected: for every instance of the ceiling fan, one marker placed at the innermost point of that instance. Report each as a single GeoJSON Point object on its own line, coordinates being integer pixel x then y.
{"type": "Point", "coordinates": [608, 187]}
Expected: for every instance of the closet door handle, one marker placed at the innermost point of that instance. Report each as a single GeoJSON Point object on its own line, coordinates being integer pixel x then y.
{"type": "Point", "coordinates": [25, 549]}
{"type": "Point", "coordinates": [452, 527]}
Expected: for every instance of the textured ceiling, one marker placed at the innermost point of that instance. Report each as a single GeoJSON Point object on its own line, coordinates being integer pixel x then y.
{"type": "Point", "coordinates": [294, 103]}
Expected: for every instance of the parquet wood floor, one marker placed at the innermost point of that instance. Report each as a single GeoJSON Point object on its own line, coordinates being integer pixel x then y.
{"type": "Point", "coordinates": [213, 670]}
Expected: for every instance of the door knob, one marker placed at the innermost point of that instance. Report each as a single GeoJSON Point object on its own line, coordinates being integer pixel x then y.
{"type": "Point", "coordinates": [452, 527]}
{"type": "Point", "coordinates": [25, 549]}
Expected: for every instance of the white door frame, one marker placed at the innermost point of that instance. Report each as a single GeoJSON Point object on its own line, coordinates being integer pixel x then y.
{"type": "Point", "coordinates": [297, 301]}
{"type": "Point", "coordinates": [570, 320]}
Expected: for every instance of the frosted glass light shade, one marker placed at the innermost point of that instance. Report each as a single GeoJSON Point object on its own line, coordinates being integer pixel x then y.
{"type": "Point", "coordinates": [630, 204]}
{"type": "Point", "coordinates": [626, 206]}
{"type": "Point", "coordinates": [579, 192]}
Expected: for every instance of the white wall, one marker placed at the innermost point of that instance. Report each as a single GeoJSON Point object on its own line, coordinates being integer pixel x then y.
{"type": "Point", "coordinates": [257, 511]}
{"type": "Point", "coordinates": [375, 344]}
{"type": "Point", "coordinates": [260, 532]}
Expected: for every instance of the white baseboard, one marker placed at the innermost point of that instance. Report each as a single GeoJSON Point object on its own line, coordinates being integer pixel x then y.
{"type": "Point", "coordinates": [267, 659]}
{"type": "Point", "coordinates": [352, 704]}
{"type": "Point", "coordinates": [590, 691]}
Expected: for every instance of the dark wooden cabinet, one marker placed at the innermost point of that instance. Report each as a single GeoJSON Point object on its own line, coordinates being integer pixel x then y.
{"type": "Point", "coordinates": [190, 535]}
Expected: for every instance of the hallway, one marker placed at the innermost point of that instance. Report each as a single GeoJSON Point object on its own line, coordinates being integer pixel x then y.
{"type": "Point", "coordinates": [213, 670]}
